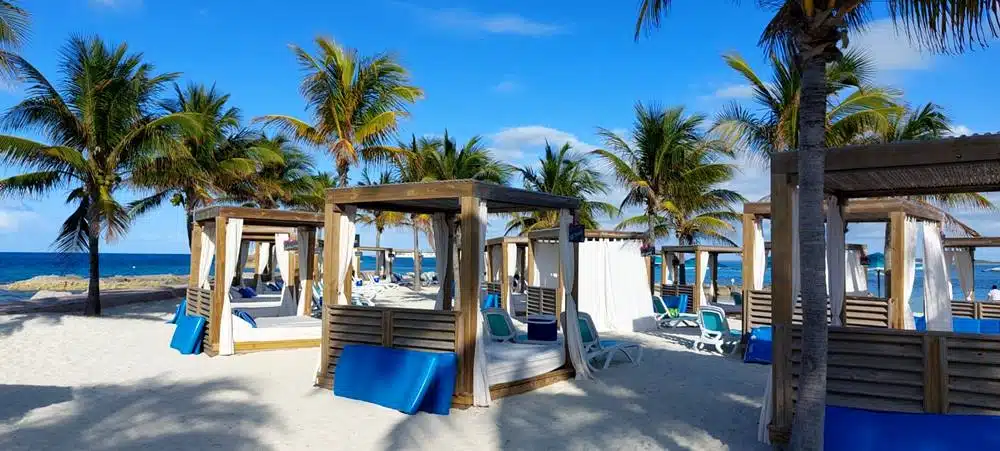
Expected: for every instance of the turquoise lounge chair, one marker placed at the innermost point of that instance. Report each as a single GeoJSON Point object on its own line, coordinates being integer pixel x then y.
{"type": "Point", "coordinates": [664, 311]}
{"type": "Point", "coordinates": [715, 329]}
{"type": "Point", "coordinates": [595, 348]}
{"type": "Point", "coordinates": [501, 327]}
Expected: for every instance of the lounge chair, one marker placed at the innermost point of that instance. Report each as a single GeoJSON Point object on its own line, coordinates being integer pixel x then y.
{"type": "Point", "coordinates": [664, 311]}
{"type": "Point", "coordinates": [501, 327]}
{"type": "Point", "coordinates": [715, 329]}
{"type": "Point", "coordinates": [595, 348]}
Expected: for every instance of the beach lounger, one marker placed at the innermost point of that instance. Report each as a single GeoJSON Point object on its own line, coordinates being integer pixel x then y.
{"type": "Point", "coordinates": [596, 348]}
{"type": "Point", "coordinates": [665, 311]}
{"type": "Point", "coordinates": [500, 326]}
{"type": "Point", "coordinates": [715, 329]}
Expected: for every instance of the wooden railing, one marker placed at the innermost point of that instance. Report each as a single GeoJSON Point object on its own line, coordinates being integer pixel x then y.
{"type": "Point", "coordinates": [493, 287]}
{"type": "Point", "coordinates": [977, 310]}
{"type": "Point", "coordinates": [907, 371]}
{"type": "Point", "coordinates": [422, 330]}
{"type": "Point", "coordinates": [541, 300]}
{"type": "Point", "coordinates": [674, 290]}
{"type": "Point", "coordinates": [859, 311]}
{"type": "Point", "coordinates": [199, 303]}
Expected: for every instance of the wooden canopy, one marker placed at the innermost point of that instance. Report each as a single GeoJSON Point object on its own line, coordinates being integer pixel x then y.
{"type": "Point", "coordinates": [867, 210]}
{"type": "Point", "coordinates": [443, 197]}
{"type": "Point", "coordinates": [553, 234]}
{"type": "Point", "coordinates": [972, 242]}
{"type": "Point", "coordinates": [693, 248]}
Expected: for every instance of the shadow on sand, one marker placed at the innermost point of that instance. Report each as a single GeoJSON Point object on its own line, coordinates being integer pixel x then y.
{"type": "Point", "coordinates": [147, 414]}
{"type": "Point", "coordinates": [160, 311]}
{"type": "Point", "coordinates": [696, 401]}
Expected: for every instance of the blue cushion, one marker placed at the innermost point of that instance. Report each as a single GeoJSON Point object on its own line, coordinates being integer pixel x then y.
{"type": "Point", "coordinates": [920, 323]}
{"type": "Point", "coordinates": [759, 346]}
{"type": "Point", "coordinates": [439, 394]}
{"type": "Point", "coordinates": [989, 326]}
{"type": "Point", "coordinates": [862, 430]}
{"type": "Point", "coordinates": [181, 311]}
{"type": "Point", "coordinates": [247, 292]}
{"type": "Point", "coordinates": [395, 378]}
{"type": "Point", "coordinates": [965, 325]}
{"type": "Point", "coordinates": [245, 316]}
{"type": "Point", "coordinates": [188, 334]}
{"type": "Point", "coordinates": [273, 286]}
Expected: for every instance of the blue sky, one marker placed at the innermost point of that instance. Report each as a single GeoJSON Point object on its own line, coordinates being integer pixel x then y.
{"type": "Point", "coordinates": [516, 72]}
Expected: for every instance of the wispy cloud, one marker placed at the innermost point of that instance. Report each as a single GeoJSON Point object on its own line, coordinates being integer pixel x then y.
{"type": "Point", "coordinates": [501, 23]}
{"type": "Point", "coordinates": [890, 49]}
{"type": "Point", "coordinates": [507, 86]}
{"type": "Point", "coordinates": [512, 143]}
{"type": "Point", "coordinates": [960, 130]}
{"type": "Point", "coordinates": [12, 220]}
{"type": "Point", "coordinates": [733, 92]}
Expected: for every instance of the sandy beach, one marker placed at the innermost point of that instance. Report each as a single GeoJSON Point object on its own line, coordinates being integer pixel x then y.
{"type": "Point", "coordinates": [70, 382]}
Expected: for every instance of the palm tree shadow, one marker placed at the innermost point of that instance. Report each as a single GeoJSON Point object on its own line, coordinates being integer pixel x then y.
{"type": "Point", "coordinates": [695, 402]}
{"type": "Point", "coordinates": [158, 311]}
{"type": "Point", "coordinates": [145, 414]}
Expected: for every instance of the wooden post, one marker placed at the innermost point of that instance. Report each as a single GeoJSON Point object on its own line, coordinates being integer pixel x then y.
{"type": "Point", "coordinates": [196, 232]}
{"type": "Point", "coordinates": [447, 279]}
{"type": "Point", "coordinates": [488, 261]}
{"type": "Point", "coordinates": [309, 238]}
{"type": "Point", "coordinates": [468, 298]}
{"type": "Point", "coordinates": [747, 260]}
{"type": "Point", "coordinates": [697, 287]}
{"type": "Point", "coordinates": [357, 264]}
{"type": "Point", "coordinates": [388, 263]}
{"type": "Point", "coordinates": [935, 374]}
{"type": "Point", "coordinates": [649, 262]}
{"type": "Point", "coordinates": [529, 264]}
{"type": "Point", "coordinates": [713, 263]}
{"type": "Point", "coordinates": [331, 286]}
{"type": "Point", "coordinates": [897, 282]}
{"type": "Point", "coordinates": [560, 285]}
{"type": "Point", "coordinates": [219, 294]}
{"type": "Point", "coordinates": [504, 276]}
{"type": "Point", "coordinates": [783, 302]}
{"type": "Point", "coordinates": [664, 264]}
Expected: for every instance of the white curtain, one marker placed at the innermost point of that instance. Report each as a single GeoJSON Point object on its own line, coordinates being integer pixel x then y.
{"type": "Point", "coordinates": [612, 286]}
{"type": "Point", "coordinates": [439, 224]}
{"type": "Point", "coordinates": [937, 293]}
{"type": "Point", "coordinates": [263, 258]}
{"type": "Point", "coordinates": [304, 263]}
{"type": "Point", "coordinates": [857, 278]}
{"type": "Point", "coordinates": [835, 258]}
{"type": "Point", "coordinates": [547, 264]}
{"type": "Point", "coordinates": [480, 378]}
{"type": "Point", "coordinates": [207, 255]}
{"type": "Point", "coordinates": [701, 270]}
{"type": "Point", "coordinates": [910, 271]}
{"type": "Point", "coordinates": [282, 256]}
{"type": "Point", "coordinates": [234, 236]}
{"type": "Point", "coordinates": [966, 272]}
{"type": "Point", "coordinates": [496, 263]}
{"type": "Point", "coordinates": [346, 240]}
{"type": "Point", "coordinates": [571, 328]}
{"type": "Point", "coordinates": [242, 263]}
{"type": "Point", "coordinates": [667, 261]}
{"type": "Point", "coordinates": [759, 254]}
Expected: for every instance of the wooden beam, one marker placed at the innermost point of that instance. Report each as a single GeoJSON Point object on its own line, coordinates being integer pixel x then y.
{"type": "Point", "coordinates": [468, 298]}
{"type": "Point", "coordinates": [331, 284]}
{"type": "Point", "coordinates": [256, 216]}
{"type": "Point", "coordinates": [219, 293]}
{"type": "Point", "coordinates": [196, 232]}
{"type": "Point", "coordinates": [695, 248]}
{"type": "Point", "coordinates": [748, 269]}
{"type": "Point", "coordinates": [897, 282]}
{"type": "Point", "coordinates": [553, 234]}
{"type": "Point", "coordinates": [977, 242]}
{"type": "Point", "coordinates": [309, 236]}
{"type": "Point", "coordinates": [783, 301]}
{"type": "Point", "coordinates": [664, 264]}
{"type": "Point", "coordinates": [504, 276]}
{"type": "Point", "coordinates": [529, 264]}
{"type": "Point", "coordinates": [448, 281]}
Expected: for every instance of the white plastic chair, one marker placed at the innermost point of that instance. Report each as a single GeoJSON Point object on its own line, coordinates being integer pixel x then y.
{"type": "Point", "coordinates": [715, 329]}
{"type": "Point", "coordinates": [595, 348]}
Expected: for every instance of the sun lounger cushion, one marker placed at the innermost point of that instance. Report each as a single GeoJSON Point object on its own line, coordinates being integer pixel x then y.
{"type": "Point", "coordinates": [181, 309]}
{"type": "Point", "coordinates": [920, 323]}
{"type": "Point", "coordinates": [245, 316]}
{"type": "Point", "coordinates": [247, 292]}
{"type": "Point", "coordinates": [965, 325]}
{"type": "Point", "coordinates": [395, 378]}
{"type": "Point", "coordinates": [188, 334]}
{"type": "Point", "coordinates": [438, 397]}
{"type": "Point", "coordinates": [759, 346]}
{"type": "Point", "coordinates": [862, 430]}
{"type": "Point", "coordinates": [989, 326]}
{"type": "Point", "coordinates": [273, 286]}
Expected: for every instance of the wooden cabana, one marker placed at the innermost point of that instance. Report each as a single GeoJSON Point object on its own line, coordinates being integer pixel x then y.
{"type": "Point", "coordinates": [459, 210]}
{"type": "Point", "coordinates": [935, 371]}
{"type": "Point", "coordinates": [383, 259]}
{"type": "Point", "coordinates": [222, 235]}
{"type": "Point", "coordinates": [672, 272]}
{"type": "Point", "coordinates": [505, 257]}
{"type": "Point", "coordinates": [961, 253]}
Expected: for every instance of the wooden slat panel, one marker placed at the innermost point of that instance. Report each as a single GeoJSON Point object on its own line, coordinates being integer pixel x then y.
{"type": "Point", "coordinates": [859, 311]}
{"type": "Point", "coordinates": [989, 311]}
{"type": "Point", "coordinates": [541, 300]}
{"type": "Point", "coordinates": [676, 290]}
{"type": "Point", "coordinates": [963, 309]}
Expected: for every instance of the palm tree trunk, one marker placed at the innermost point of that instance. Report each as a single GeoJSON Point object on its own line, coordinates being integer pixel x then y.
{"type": "Point", "coordinates": [807, 426]}
{"type": "Point", "coordinates": [93, 305]}
{"type": "Point", "coordinates": [190, 224]}
{"type": "Point", "coordinates": [416, 255]}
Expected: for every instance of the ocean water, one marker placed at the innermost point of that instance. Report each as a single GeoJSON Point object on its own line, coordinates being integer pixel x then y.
{"type": "Point", "coordinates": [15, 266]}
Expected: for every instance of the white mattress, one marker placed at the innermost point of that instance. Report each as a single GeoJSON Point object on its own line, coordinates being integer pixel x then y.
{"type": "Point", "coordinates": [508, 362]}
{"type": "Point", "coordinates": [280, 328]}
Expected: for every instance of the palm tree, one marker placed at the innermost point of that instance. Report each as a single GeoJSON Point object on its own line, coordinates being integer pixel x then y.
{"type": "Point", "coordinates": [222, 155]}
{"type": "Point", "coordinates": [811, 31]}
{"type": "Point", "coordinates": [314, 199]}
{"type": "Point", "coordinates": [14, 23]}
{"type": "Point", "coordinates": [410, 168]}
{"type": "Point", "coordinates": [100, 124]}
{"type": "Point", "coordinates": [355, 103]}
{"type": "Point", "coordinates": [472, 161]}
{"type": "Point", "coordinates": [565, 173]}
{"type": "Point", "coordinates": [381, 219]}
{"type": "Point", "coordinates": [286, 180]}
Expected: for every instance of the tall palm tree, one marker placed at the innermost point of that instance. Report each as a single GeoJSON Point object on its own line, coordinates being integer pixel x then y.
{"type": "Point", "coordinates": [381, 220]}
{"type": "Point", "coordinates": [410, 168]}
{"type": "Point", "coordinates": [355, 102]}
{"type": "Point", "coordinates": [14, 23]}
{"type": "Point", "coordinates": [100, 124]}
{"type": "Point", "coordinates": [811, 31]}
{"type": "Point", "coordinates": [471, 161]}
{"type": "Point", "coordinates": [285, 180]}
{"type": "Point", "coordinates": [314, 198]}
{"type": "Point", "coordinates": [222, 155]}
{"type": "Point", "coordinates": [565, 173]}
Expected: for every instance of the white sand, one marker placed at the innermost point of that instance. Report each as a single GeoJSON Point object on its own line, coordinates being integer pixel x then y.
{"type": "Point", "coordinates": [69, 382]}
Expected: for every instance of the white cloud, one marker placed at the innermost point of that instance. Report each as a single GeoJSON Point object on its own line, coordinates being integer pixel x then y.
{"type": "Point", "coordinates": [890, 49]}
{"type": "Point", "coordinates": [733, 92]}
{"type": "Point", "coordinates": [507, 86]}
{"type": "Point", "coordinates": [503, 23]}
{"type": "Point", "coordinates": [510, 143]}
{"type": "Point", "coordinates": [12, 220]}
{"type": "Point", "coordinates": [115, 4]}
{"type": "Point", "coordinates": [960, 130]}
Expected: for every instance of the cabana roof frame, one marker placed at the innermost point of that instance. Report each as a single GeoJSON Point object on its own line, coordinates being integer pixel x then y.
{"type": "Point", "coordinates": [257, 217]}
{"type": "Point", "coordinates": [443, 197]}
{"type": "Point", "coordinates": [507, 240]}
{"type": "Point", "coordinates": [553, 234]}
{"type": "Point", "coordinates": [692, 248]}
{"type": "Point", "coordinates": [867, 210]}
{"type": "Point", "coordinates": [972, 242]}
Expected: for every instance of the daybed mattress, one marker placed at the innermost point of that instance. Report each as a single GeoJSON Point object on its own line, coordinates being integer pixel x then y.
{"type": "Point", "coordinates": [508, 362]}
{"type": "Point", "coordinates": [279, 328]}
